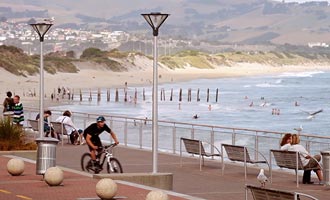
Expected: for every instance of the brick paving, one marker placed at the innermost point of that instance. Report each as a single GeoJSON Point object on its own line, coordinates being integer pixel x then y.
{"type": "Point", "coordinates": [31, 186]}
{"type": "Point", "coordinates": [205, 184]}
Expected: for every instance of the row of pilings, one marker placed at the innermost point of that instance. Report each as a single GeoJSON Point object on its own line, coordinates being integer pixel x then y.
{"type": "Point", "coordinates": [129, 96]}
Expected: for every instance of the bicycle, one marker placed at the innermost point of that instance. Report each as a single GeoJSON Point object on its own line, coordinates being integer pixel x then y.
{"type": "Point", "coordinates": [106, 155]}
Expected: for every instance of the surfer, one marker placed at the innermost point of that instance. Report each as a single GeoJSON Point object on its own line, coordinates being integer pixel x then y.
{"type": "Point", "coordinates": [195, 116]}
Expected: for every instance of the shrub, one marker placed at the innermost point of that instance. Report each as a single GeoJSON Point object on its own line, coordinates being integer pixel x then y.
{"type": "Point", "coordinates": [12, 137]}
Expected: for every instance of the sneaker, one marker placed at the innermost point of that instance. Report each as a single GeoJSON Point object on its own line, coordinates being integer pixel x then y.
{"type": "Point", "coordinates": [96, 167]}
{"type": "Point", "coordinates": [83, 142]}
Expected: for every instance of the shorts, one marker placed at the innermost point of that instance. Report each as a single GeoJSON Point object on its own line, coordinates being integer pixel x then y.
{"type": "Point", "coordinates": [96, 141]}
{"type": "Point", "coordinates": [312, 162]}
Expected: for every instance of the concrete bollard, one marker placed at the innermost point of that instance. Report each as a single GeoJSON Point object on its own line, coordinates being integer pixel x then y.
{"type": "Point", "coordinates": [106, 188]}
{"type": "Point", "coordinates": [54, 176]}
{"type": "Point", "coordinates": [157, 195]}
{"type": "Point", "coordinates": [15, 167]}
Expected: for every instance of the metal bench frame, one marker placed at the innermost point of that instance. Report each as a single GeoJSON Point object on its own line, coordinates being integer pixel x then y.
{"type": "Point", "coordinates": [34, 126]}
{"type": "Point", "coordinates": [241, 154]}
{"type": "Point", "coordinates": [59, 128]}
{"type": "Point", "coordinates": [259, 193]}
{"type": "Point", "coordinates": [289, 160]}
{"type": "Point", "coordinates": [196, 147]}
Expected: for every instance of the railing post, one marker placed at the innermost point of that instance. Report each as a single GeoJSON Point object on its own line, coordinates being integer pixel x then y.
{"type": "Point", "coordinates": [125, 132]}
{"type": "Point", "coordinates": [174, 139]}
{"type": "Point", "coordinates": [192, 132]}
{"type": "Point", "coordinates": [308, 144]}
{"type": "Point", "coordinates": [141, 134]}
{"type": "Point", "coordinates": [212, 142]}
{"type": "Point", "coordinates": [233, 137]}
{"type": "Point", "coordinates": [256, 146]}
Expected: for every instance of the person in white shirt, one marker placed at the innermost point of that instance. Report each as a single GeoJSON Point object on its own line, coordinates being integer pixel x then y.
{"type": "Point", "coordinates": [70, 128]}
{"type": "Point", "coordinates": [286, 141]}
{"type": "Point", "coordinates": [308, 161]}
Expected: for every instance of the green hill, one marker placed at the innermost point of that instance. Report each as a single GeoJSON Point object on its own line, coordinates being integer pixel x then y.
{"type": "Point", "coordinates": [15, 61]}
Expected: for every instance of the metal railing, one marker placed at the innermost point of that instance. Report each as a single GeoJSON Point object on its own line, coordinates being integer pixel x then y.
{"type": "Point", "coordinates": [137, 132]}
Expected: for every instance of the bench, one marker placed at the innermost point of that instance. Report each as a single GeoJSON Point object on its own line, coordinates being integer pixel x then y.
{"type": "Point", "coordinates": [289, 160]}
{"type": "Point", "coordinates": [196, 147]}
{"type": "Point", "coordinates": [241, 154]}
{"type": "Point", "coordinates": [60, 129]}
{"type": "Point", "coordinates": [259, 193]}
{"type": "Point", "coordinates": [34, 126]}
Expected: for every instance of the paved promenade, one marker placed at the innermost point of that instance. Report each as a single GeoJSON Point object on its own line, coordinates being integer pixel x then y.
{"type": "Point", "coordinates": [205, 184]}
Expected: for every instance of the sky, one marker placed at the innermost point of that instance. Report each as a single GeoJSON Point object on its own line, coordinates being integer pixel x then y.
{"type": "Point", "coordinates": [300, 1]}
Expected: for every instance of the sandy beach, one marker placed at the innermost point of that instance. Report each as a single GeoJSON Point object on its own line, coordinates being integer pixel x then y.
{"type": "Point", "coordinates": [92, 76]}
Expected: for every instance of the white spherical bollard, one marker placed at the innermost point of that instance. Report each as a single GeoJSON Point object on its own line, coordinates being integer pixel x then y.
{"type": "Point", "coordinates": [106, 188]}
{"type": "Point", "coordinates": [15, 167]}
{"type": "Point", "coordinates": [157, 195]}
{"type": "Point", "coordinates": [54, 176]}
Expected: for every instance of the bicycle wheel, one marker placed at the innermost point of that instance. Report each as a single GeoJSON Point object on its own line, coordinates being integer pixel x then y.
{"type": "Point", "coordinates": [116, 166]}
{"type": "Point", "coordinates": [86, 162]}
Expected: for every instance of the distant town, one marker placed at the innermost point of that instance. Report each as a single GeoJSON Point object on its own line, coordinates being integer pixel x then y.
{"type": "Point", "coordinates": [21, 35]}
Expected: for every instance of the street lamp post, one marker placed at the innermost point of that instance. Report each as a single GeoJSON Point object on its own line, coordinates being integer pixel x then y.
{"type": "Point", "coordinates": [41, 29]}
{"type": "Point", "coordinates": [155, 20]}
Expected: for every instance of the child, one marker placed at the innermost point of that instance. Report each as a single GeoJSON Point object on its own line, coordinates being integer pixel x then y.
{"type": "Point", "coordinates": [18, 111]}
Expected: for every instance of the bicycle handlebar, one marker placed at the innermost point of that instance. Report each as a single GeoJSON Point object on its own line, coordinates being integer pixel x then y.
{"type": "Point", "coordinates": [108, 146]}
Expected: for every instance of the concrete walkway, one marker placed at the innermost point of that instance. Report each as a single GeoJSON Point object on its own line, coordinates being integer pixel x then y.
{"type": "Point", "coordinates": [205, 184]}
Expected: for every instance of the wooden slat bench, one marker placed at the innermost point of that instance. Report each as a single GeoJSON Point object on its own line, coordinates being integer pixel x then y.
{"type": "Point", "coordinates": [259, 193]}
{"type": "Point", "coordinates": [241, 154]}
{"type": "Point", "coordinates": [60, 129]}
{"type": "Point", "coordinates": [34, 126]}
{"type": "Point", "coordinates": [289, 160]}
{"type": "Point", "coordinates": [196, 147]}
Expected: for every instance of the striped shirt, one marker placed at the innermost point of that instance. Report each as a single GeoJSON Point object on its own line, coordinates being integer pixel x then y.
{"type": "Point", "coordinates": [18, 117]}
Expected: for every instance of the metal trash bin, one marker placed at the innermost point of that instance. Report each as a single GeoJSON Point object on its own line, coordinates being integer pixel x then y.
{"type": "Point", "coordinates": [46, 154]}
{"type": "Point", "coordinates": [326, 166]}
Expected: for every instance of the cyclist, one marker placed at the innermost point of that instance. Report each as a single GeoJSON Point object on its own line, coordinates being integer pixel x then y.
{"type": "Point", "coordinates": [91, 135]}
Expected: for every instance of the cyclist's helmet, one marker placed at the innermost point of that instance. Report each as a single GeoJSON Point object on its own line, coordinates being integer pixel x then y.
{"type": "Point", "coordinates": [100, 119]}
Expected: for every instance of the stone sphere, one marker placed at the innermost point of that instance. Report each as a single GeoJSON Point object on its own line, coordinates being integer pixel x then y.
{"type": "Point", "coordinates": [106, 188]}
{"type": "Point", "coordinates": [157, 195]}
{"type": "Point", "coordinates": [54, 176]}
{"type": "Point", "coordinates": [15, 166]}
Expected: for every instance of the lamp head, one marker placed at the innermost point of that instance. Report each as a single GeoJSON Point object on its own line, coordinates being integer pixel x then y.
{"type": "Point", "coordinates": [155, 20]}
{"type": "Point", "coordinates": [41, 29]}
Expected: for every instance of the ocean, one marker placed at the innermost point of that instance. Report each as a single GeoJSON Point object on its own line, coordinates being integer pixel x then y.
{"type": "Point", "coordinates": [273, 102]}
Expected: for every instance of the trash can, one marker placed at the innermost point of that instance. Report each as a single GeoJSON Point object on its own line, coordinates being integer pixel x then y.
{"type": "Point", "coordinates": [46, 154]}
{"type": "Point", "coordinates": [326, 166]}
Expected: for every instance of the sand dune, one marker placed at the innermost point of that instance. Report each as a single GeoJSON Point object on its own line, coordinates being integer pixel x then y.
{"type": "Point", "coordinates": [91, 76]}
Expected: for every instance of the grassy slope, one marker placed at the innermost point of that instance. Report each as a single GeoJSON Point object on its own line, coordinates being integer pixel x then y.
{"type": "Point", "coordinates": [15, 61]}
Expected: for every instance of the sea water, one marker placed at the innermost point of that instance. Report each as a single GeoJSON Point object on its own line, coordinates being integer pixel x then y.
{"type": "Point", "coordinates": [259, 102]}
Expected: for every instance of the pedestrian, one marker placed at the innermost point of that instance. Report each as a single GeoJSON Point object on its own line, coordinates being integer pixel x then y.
{"type": "Point", "coordinates": [18, 117]}
{"type": "Point", "coordinates": [71, 129]}
{"type": "Point", "coordinates": [48, 129]}
{"type": "Point", "coordinates": [8, 103]}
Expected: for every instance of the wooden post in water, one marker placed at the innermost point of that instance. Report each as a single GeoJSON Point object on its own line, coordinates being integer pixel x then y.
{"type": "Point", "coordinates": [80, 94]}
{"type": "Point", "coordinates": [161, 94]}
{"type": "Point", "coordinates": [108, 95]}
{"type": "Point", "coordinates": [164, 94]}
{"type": "Point", "coordinates": [135, 96]}
{"type": "Point", "coordinates": [189, 95]}
{"type": "Point", "coordinates": [216, 95]}
{"type": "Point", "coordinates": [198, 99]}
{"type": "Point", "coordinates": [99, 95]}
{"type": "Point", "coordinates": [90, 95]}
{"type": "Point", "coordinates": [144, 94]}
{"type": "Point", "coordinates": [171, 97]}
{"type": "Point", "coordinates": [125, 98]}
{"type": "Point", "coordinates": [208, 95]}
{"type": "Point", "coordinates": [117, 95]}
{"type": "Point", "coordinates": [180, 95]}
